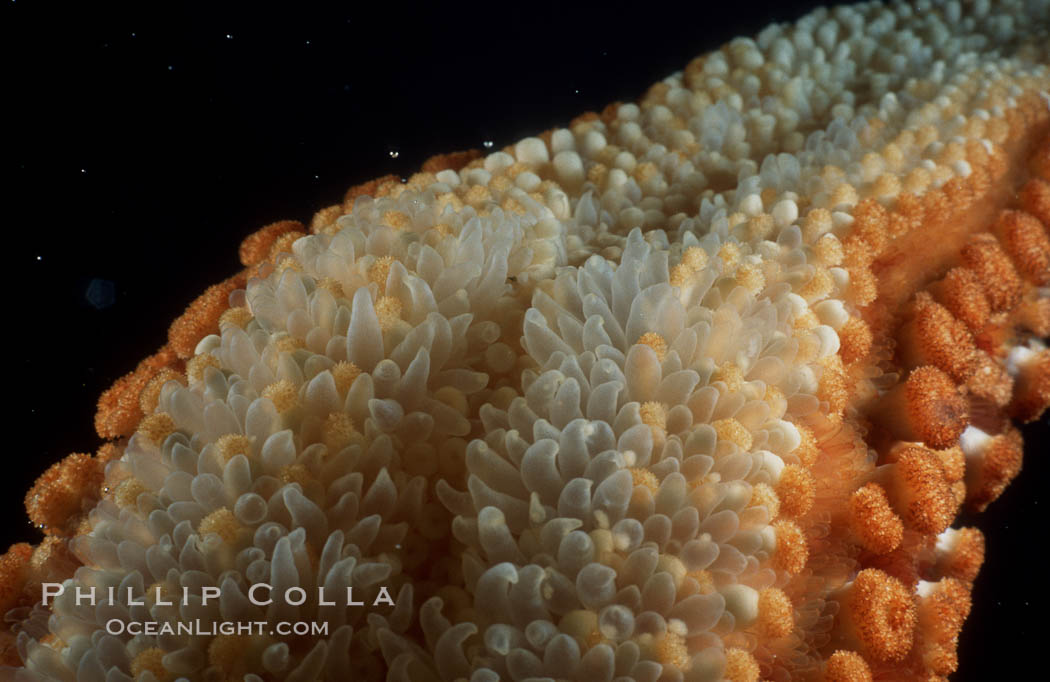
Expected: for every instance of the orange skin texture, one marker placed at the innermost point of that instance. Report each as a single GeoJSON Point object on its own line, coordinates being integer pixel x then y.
{"type": "Point", "coordinates": [928, 407]}
{"type": "Point", "coordinates": [256, 246]}
{"type": "Point", "coordinates": [202, 316]}
{"type": "Point", "coordinates": [964, 561]}
{"type": "Point", "coordinates": [856, 339]}
{"type": "Point", "coordinates": [453, 161]}
{"type": "Point", "coordinates": [57, 499]}
{"type": "Point", "coordinates": [882, 613]}
{"type": "Point", "coordinates": [1000, 464]}
{"type": "Point", "coordinates": [941, 617]}
{"type": "Point", "coordinates": [873, 520]}
{"type": "Point", "coordinates": [942, 340]}
{"type": "Point", "coordinates": [1033, 390]}
{"type": "Point", "coordinates": [14, 572]}
{"type": "Point", "coordinates": [1039, 163]}
{"type": "Point", "coordinates": [925, 499]}
{"type": "Point", "coordinates": [992, 265]}
{"type": "Point", "coordinates": [1035, 199]}
{"type": "Point", "coordinates": [119, 409]}
{"type": "Point", "coordinates": [961, 293]}
{"type": "Point", "coordinates": [846, 666]}
{"type": "Point", "coordinates": [1026, 241]}
{"type": "Point", "coordinates": [22, 570]}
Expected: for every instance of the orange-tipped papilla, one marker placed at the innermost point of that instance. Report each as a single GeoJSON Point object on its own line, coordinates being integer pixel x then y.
{"type": "Point", "coordinates": [876, 616]}
{"type": "Point", "coordinates": [846, 666]}
{"type": "Point", "coordinates": [992, 461]}
{"type": "Point", "coordinates": [996, 274]}
{"type": "Point", "coordinates": [1029, 365]}
{"type": "Point", "coordinates": [1035, 199]}
{"type": "Point", "coordinates": [791, 550]}
{"type": "Point", "coordinates": [959, 553]}
{"type": "Point", "coordinates": [933, 336]}
{"type": "Point", "coordinates": [962, 294]}
{"type": "Point", "coordinates": [927, 407]}
{"type": "Point", "coordinates": [990, 381]}
{"type": "Point", "coordinates": [796, 489]}
{"type": "Point", "coordinates": [942, 610]}
{"type": "Point", "coordinates": [1025, 239]}
{"type": "Point", "coordinates": [918, 488]}
{"type": "Point", "coordinates": [873, 521]}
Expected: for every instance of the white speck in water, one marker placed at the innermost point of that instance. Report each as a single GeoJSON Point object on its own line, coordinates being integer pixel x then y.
{"type": "Point", "coordinates": [487, 144]}
{"type": "Point", "coordinates": [394, 153]}
{"type": "Point", "coordinates": [229, 37]}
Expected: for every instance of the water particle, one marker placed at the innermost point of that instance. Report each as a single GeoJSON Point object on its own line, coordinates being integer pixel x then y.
{"type": "Point", "coordinates": [101, 293]}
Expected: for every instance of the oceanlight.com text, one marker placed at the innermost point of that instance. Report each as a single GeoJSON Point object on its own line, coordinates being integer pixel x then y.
{"type": "Point", "coordinates": [116, 626]}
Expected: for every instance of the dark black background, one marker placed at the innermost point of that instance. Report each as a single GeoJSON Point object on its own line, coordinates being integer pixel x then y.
{"type": "Point", "coordinates": [142, 145]}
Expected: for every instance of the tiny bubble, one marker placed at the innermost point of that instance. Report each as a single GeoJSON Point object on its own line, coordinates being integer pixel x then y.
{"type": "Point", "coordinates": [577, 92]}
{"type": "Point", "coordinates": [487, 144]}
{"type": "Point", "coordinates": [170, 67]}
{"type": "Point", "coordinates": [307, 42]}
{"type": "Point", "coordinates": [83, 170]}
{"type": "Point", "coordinates": [229, 37]}
{"type": "Point", "coordinates": [40, 258]}
{"type": "Point", "coordinates": [316, 177]}
{"type": "Point", "coordinates": [101, 293]}
{"type": "Point", "coordinates": [394, 153]}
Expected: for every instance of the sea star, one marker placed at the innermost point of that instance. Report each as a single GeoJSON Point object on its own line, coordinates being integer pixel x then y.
{"type": "Point", "coordinates": [666, 394]}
